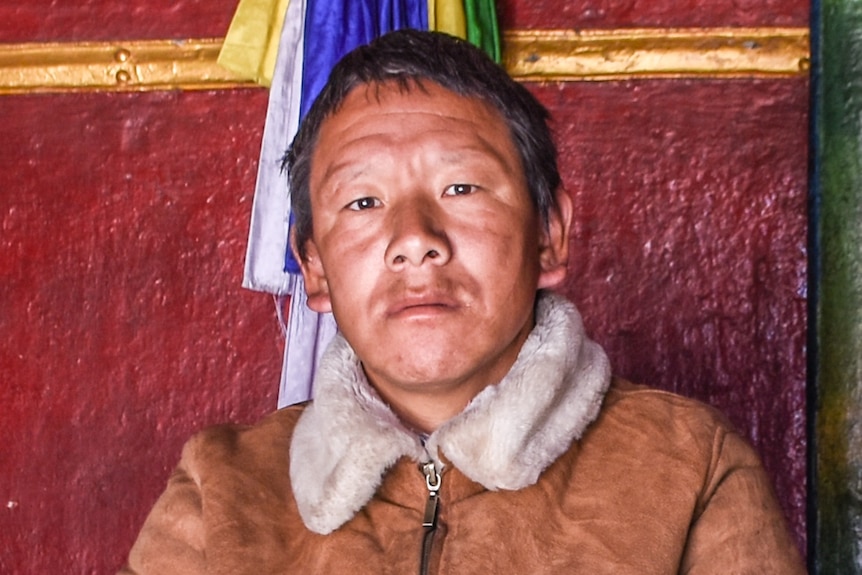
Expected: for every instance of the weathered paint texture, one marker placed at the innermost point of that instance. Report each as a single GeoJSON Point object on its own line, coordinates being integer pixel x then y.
{"type": "Point", "coordinates": [838, 463]}
{"type": "Point", "coordinates": [651, 13]}
{"type": "Point", "coordinates": [124, 329]}
{"type": "Point", "coordinates": [52, 21]}
{"type": "Point", "coordinates": [122, 230]}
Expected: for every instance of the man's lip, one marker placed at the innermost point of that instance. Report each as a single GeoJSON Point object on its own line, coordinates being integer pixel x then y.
{"type": "Point", "coordinates": [421, 304]}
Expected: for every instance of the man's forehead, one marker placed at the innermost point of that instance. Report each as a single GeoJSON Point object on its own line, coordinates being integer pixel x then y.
{"type": "Point", "coordinates": [390, 113]}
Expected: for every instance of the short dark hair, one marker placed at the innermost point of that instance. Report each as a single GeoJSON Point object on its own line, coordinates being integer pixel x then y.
{"type": "Point", "coordinates": [409, 57]}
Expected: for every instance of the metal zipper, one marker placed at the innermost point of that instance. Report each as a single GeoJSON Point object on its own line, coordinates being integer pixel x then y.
{"type": "Point", "coordinates": [429, 521]}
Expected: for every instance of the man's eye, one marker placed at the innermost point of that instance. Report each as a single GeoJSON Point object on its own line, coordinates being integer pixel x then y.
{"type": "Point", "coordinates": [459, 190]}
{"type": "Point", "coordinates": [363, 204]}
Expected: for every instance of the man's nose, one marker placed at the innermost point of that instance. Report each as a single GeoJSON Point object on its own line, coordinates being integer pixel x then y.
{"type": "Point", "coordinates": [417, 238]}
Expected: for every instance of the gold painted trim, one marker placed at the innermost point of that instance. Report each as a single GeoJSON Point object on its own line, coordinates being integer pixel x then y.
{"type": "Point", "coordinates": [117, 66]}
{"type": "Point", "coordinates": [569, 55]}
{"type": "Point", "coordinates": [529, 55]}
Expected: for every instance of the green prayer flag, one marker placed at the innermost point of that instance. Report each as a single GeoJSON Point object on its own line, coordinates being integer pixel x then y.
{"type": "Point", "coordinates": [482, 29]}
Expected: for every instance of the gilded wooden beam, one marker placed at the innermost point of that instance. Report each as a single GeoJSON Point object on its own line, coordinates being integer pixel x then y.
{"type": "Point", "coordinates": [529, 55]}
{"type": "Point", "coordinates": [122, 66]}
{"type": "Point", "coordinates": [568, 55]}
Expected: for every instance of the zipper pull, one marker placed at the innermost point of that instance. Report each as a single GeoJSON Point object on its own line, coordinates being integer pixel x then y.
{"type": "Point", "coordinates": [432, 482]}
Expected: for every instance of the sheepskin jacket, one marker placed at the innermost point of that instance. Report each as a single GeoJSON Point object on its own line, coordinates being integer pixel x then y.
{"type": "Point", "coordinates": [557, 469]}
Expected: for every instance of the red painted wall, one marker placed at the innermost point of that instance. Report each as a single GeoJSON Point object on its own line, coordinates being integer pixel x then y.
{"type": "Point", "coordinates": [124, 328]}
{"type": "Point", "coordinates": [49, 20]}
{"type": "Point", "coordinates": [651, 13]}
{"type": "Point", "coordinates": [122, 229]}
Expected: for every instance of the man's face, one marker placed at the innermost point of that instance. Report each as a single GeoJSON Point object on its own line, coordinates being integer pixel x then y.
{"type": "Point", "coordinates": [426, 245]}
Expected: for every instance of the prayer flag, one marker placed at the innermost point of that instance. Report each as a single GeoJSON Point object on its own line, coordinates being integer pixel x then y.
{"type": "Point", "coordinates": [447, 16]}
{"type": "Point", "coordinates": [341, 26]}
{"type": "Point", "coordinates": [482, 28]}
{"type": "Point", "coordinates": [268, 232]}
{"type": "Point", "coordinates": [251, 44]}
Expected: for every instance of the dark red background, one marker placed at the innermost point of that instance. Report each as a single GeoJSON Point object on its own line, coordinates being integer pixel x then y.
{"type": "Point", "coordinates": [122, 231]}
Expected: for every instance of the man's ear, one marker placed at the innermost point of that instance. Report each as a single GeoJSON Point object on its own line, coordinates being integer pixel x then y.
{"type": "Point", "coordinates": [554, 243]}
{"type": "Point", "coordinates": [314, 275]}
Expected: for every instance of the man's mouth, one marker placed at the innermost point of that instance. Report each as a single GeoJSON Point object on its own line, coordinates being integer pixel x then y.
{"type": "Point", "coordinates": [422, 305]}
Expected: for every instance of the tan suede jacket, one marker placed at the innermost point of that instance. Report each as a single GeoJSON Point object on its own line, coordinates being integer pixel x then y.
{"type": "Point", "coordinates": [549, 472]}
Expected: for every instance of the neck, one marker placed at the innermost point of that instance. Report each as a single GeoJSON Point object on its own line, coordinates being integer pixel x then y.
{"type": "Point", "coordinates": [425, 411]}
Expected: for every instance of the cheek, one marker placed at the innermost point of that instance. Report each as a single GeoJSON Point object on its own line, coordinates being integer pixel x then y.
{"type": "Point", "coordinates": [350, 263]}
{"type": "Point", "coordinates": [501, 245]}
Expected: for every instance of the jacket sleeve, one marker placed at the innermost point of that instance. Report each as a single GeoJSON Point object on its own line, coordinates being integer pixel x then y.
{"type": "Point", "coordinates": [739, 526]}
{"type": "Point", "coordinates": [171, 542]}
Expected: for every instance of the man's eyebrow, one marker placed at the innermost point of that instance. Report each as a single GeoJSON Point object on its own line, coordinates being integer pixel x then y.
{"type": "Point", "coordinates": [350, 167]}
{"type": "Point", "coordinates": [469, 153]}
{"type": "Point", "coordinates": [354, 162]}
{"type": "Point", "coordinates": [347, 166]}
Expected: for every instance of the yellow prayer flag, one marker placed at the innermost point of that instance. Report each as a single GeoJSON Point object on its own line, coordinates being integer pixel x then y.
{"type": "Point", "coordinates": [447, 16]}
{"type": "Point", "coordinates": [251, 44]}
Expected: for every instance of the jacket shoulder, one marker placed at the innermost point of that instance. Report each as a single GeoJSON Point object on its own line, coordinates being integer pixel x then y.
{"type": "Point", "coordinates": [230, 484]}
{"type": "Point", "coordinates": [622, 390]}
{"type": "Point", "coordinates": [673, 413]}
{"type": "Point", "coordinates": [680, 454]}
{"type": "Point", "coordinates": [246, 446]}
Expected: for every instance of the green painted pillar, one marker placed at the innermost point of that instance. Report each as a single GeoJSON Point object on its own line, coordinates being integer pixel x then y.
{"type": "Point", "coordinates": [836, 521]}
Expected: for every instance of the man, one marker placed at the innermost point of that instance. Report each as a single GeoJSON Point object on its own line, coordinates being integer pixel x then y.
{"type": "Point", "coordinates": [462, 421]}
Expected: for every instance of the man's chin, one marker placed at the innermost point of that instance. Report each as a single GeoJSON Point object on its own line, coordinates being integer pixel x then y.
{"type": "Point", "coordinates": [440, 372]}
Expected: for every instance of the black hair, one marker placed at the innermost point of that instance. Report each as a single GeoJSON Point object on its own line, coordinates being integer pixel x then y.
{"type": "Point", "coordinates": [409, 58]}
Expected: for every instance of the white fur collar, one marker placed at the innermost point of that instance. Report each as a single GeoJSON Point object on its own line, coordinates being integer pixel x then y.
{"type": "Point", "coordinates": [509, 433]}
